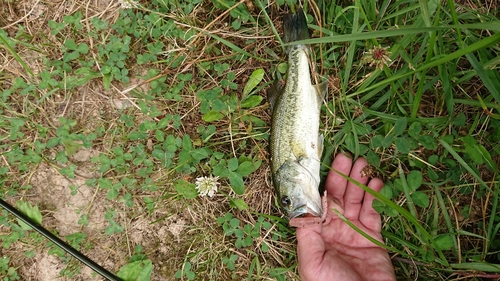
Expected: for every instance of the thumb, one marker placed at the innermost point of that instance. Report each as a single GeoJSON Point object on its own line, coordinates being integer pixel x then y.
{"type": "Point", "coordinates": [310, 247]}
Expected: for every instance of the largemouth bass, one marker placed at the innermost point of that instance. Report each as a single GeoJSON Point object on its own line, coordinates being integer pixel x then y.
{"type": "Point", "coordinates": [295, 143]}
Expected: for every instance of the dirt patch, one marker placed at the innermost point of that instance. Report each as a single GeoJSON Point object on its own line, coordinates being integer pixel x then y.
{"type": "Point", "coordinates": [63, 202]}
{"type": "Point", "coordinates": [45, 267]}
{"type": "Point", "coordinates": [55, 194]}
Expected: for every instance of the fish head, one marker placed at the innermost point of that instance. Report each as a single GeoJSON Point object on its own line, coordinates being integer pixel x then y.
{"type": "Point", "coordinates": [297, 191]}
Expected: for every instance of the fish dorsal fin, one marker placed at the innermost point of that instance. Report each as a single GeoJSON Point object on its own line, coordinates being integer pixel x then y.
{"type": "Point", "coordinates": [274, 92]}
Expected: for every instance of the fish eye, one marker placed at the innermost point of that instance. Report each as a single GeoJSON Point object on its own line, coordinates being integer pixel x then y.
{"type": "Point", "coordinates": [285, 200]}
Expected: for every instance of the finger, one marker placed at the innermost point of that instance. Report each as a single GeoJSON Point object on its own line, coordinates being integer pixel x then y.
{"type": "Point", "coordinates": [354, 194]}
{"type": "Point", "coordinates": [335, 184]}
{"type": "Point", "coordinates": [310, 247]}
{"type": "Point", "coordinates": [368, 216]}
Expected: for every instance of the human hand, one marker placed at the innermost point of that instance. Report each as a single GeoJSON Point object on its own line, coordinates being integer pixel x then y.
{"type": "Point", "coordinates": [335, 251]}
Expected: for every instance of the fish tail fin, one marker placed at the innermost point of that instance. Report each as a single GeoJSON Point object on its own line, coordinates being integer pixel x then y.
{"type": "Point", "coordinates": [295, 27]}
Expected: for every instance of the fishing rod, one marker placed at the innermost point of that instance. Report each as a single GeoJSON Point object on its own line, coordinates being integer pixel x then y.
{"type": "Point", "coordinates": [56, 240]}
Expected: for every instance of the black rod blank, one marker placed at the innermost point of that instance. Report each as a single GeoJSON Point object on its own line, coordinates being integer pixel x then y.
{"type": "Point", "coordinates": [56, 240]}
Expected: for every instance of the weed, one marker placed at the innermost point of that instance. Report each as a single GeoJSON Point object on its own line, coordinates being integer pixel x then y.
{"type": "Point", "coordinates": [139, 267]}
{"type": "Point", "coordinates": [186, 271]}
{"type": "Point", "coordinates": [7, 271]}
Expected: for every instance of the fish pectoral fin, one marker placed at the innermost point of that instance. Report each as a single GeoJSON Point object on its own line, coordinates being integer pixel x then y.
{"type": "Point", "coordinates": [274, 92]}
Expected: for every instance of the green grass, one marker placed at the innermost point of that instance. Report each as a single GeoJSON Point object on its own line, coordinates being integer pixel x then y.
{"type": "Point", "coordinates": [112, 114]}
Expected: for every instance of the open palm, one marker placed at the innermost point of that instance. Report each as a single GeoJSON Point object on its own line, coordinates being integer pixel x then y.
{"type": "Point", "coordinates": [335, 251]}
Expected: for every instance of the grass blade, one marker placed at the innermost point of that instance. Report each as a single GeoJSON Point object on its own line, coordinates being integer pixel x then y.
{"type": "Point", "coordinates": [464, 164]}
{"type": "Point", "coordinates": [493, 25]}
{"type": "Point", "coordinates": [477, 266]}
{"type": "Point", "coordinates": [5, 44]}
{"type": "Point", "coordinates": [492, 86]}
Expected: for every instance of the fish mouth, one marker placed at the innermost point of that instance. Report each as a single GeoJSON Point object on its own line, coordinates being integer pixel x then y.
{"type": "Point", "coordinates": [304, 211]}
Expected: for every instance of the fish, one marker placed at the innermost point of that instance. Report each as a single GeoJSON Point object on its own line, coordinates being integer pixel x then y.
{"type": "Point", "coordinates": [295, 143]}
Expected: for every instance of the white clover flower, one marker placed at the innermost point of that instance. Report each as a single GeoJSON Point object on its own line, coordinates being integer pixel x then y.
{"type": "Point", "coordinates": [207, 185]}
{"type": "Point", "coordinates": [128, 4]}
